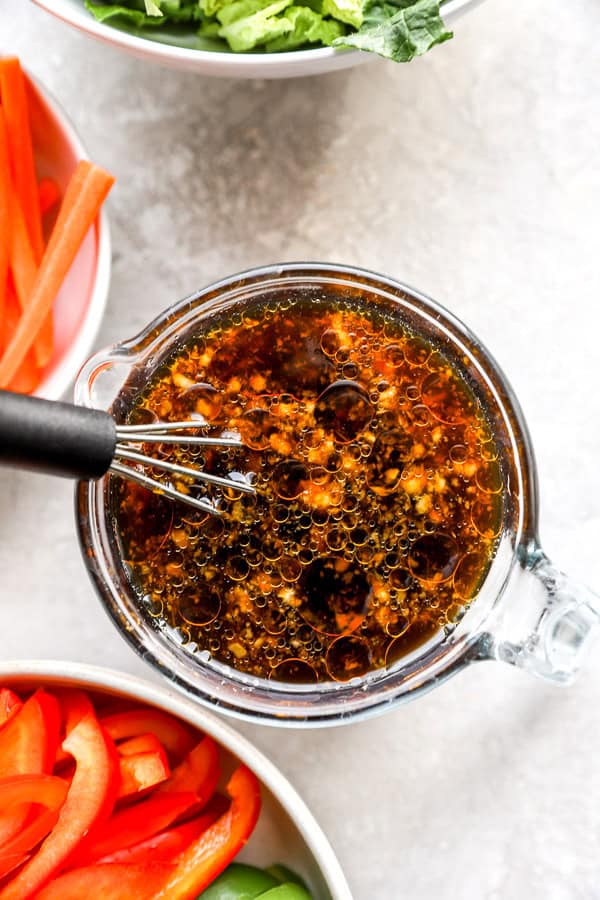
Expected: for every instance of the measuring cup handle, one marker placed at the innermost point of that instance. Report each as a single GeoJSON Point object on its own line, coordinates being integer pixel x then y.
{"type": "Point", "coordinates": [550, 623]}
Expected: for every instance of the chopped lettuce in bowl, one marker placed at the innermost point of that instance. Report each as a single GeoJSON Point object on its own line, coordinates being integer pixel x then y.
{"type": "Point", "coordinates": [395, 29]}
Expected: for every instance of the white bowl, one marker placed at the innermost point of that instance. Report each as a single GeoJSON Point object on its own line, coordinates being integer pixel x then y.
{"type": "Point", "coordinates": [80, 304]}
{"type": "Point", "coordinates": [286, 831]}
{"type": "Point", "coordinates": [228, 65]}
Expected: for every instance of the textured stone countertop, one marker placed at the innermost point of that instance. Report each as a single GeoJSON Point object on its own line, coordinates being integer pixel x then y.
{"type": "Point", "coordinates": [474, 175]}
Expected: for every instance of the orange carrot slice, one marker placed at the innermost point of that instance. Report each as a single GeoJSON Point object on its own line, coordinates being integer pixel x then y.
{"type": "Point", "coordinates": [24, 270]}
{"type": "Point", "coordinates": [5, 209]}
{"type": "Point", "coordinates": [49, 195]}
{"type": "Point", "coordinates": [16, 110]}
{"type": "Point", "coordinates": [27, 377]}
{"type": "Point", "coordinates": [83, 198]}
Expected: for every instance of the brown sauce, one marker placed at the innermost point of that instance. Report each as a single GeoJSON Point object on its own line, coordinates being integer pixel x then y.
{"type": "Point", "coordinates": [379, 492]}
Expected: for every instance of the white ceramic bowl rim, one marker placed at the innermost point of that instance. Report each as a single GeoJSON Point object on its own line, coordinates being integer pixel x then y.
{"type": "Point", "coordinates": [97, 677]}
{"type": "Point", "coordinates": [168, 53]}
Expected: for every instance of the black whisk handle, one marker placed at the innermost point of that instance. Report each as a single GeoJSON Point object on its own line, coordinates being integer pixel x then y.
{"type": "Point", "coordinates": [55, 438]}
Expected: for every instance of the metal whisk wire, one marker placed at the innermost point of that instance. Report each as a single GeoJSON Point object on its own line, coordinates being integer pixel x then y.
{"type": "Point", "coordinates": [171, 433]}
{"type": "Point", "coordinates": [76, 442]}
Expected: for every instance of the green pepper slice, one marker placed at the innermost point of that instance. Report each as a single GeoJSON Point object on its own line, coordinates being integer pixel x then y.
{"type": "Point", "coordinates": [239, 882]}
{"type": "Point", "coordinates": [288, 891]}
{"type": "Point", "coordinates": [283, 874]}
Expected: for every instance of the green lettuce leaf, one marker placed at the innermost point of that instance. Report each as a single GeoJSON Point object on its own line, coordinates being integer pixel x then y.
{"type": "Point", "coordinates": [211, 7]}
{"type": "Point", "coordinates": [152, 9]}
{"type": "Point", "coordinates": [209, 29]}
{"type": "Point", "coordinates": [103, 12]}
{"type": "Point", "coordinates": [135, 12]}
{"type": "Point", "coordinates": [395, 29]}
{"type": "Point", "coordinates": [181, 10]}
{"type": "Point", "coordinates": [315, 5]}
{"type": "Point", "coordinates": [262, 26]}
{"type": "Point", "coordinates": [240, 9]}
{"type": "Point", "coordinates": [309, 28]}
{"type": "Point", "coordinates": [349, 11]}
{"type": "Point", "coordinates": [401, 33]}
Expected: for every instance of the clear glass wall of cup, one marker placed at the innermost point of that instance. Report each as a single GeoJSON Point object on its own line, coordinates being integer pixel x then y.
{"type": "Point", "coordinates": [526, 613]}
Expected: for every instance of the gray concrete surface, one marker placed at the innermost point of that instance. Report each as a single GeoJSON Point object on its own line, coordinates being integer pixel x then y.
{"type": "Point", "coordinates": [474, 175]}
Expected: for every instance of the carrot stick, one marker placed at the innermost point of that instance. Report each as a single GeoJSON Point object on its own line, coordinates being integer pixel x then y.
{"type": "Point", "coordinates": [49, 195]}
{"type": "Point", "coordinates": [14, 101]}
{"type": "Point", "coordinates": [5, 210]}
{"type": "Point", "coordinates": [24, 270]}
{"type": "Point", "coordinates": [83, 198]}
{"type": "Point", "coordinates": [27, 378]}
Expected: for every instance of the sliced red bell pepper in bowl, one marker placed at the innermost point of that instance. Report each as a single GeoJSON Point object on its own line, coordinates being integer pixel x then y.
{"type": "Point", "coordinates": [143, 765]}
{"type": "Point", "coordinates": [29, 739]}
{"type": "Point", "coordinates": [141, 772]}
{"type": "Point", "coordinates": [166, 845]}
{"type": "Point", "coordinates": [176, 738]}
{"type": "Point", "coordinates": [48, 790]}
{"type": "Point", "coordinates": [16, 851]}
{"type": "Point", "coordinates": [10, 704]}
{"type": "Point", "coordinates": [25, 791]}
{"type": "Point", "coordinates": [198, 772]}
{"type": "Point", "coordinates": [206, 858]}
{"type": "Point", "coordinates": [28, 742]}
{"type": "Point", "coordinates": [89, 800]}
{"type": "Point", "coordinates": [123, 812]}
{"type": "Point", "coordinates": [144, 743]}
{"type": "Point", "coordinates": [112, 881]}
{"type": "Point", "coordinates": [131, 825]}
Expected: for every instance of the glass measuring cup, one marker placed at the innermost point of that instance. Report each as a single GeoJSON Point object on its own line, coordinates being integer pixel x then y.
{"type": "Point", "coordinates": [526, 612]}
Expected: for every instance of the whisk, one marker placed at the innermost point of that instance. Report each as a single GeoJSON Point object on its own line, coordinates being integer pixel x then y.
{"type": "Point", "coordinates": [76, 442]}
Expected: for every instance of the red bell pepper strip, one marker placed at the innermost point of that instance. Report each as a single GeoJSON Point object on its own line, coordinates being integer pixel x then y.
{"type": "Point", "coordinates": [109, 882]}
{"type": "Point", "coordinates": [90, 797]}
{"type": "Point", "coordinates": [199, 772]}
{"type": "Point", "coordinates": [144, 743]}
{"type": "Point", "coordinates": [48, 791]}
{"type": "Point", "coordinates": [173, 735]}
{"type": "Point", "coordinates": [16, 851]}
{"type": "Point", "coordinates": [143, 763]}
{"type": "Point", "coordinates": [131, 825]}
{"type": "Point", "coordinates": [141, 771]}
{"type": "Point", "coordinates": [206, 858]}
{"type": "Point", "coordinates": [12, 862]}
{"type": "Point", "coordinates": [44, 789]}
{"type": "Point", "coordinates": [10, 704]}
{"type": "Point", "coordinates": [28, 742]}
{"type": "Point", "coordinates": [166, 845]}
